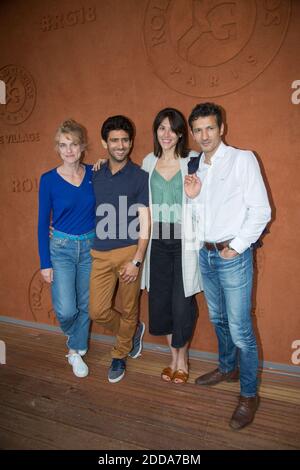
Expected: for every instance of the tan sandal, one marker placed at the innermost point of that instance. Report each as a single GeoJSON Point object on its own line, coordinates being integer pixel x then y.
{"type": "Point", "coordinates": [180, 377]}
{"type": "Point", "coordinates": [167, 374]}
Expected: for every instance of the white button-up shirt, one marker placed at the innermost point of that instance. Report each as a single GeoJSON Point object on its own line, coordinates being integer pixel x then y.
{"type": "Point", "coordinates": [233, 202]}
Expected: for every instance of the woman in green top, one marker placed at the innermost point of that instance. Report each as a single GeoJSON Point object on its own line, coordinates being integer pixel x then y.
{"type": "Point", "coordinates": [171, 272]}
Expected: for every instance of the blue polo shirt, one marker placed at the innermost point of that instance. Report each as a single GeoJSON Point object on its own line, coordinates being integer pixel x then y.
{"type": "Point", "coordinates": [118, 198]}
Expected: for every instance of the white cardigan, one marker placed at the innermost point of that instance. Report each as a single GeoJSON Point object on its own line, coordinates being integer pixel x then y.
{"type": "Point", "coordinates": [191, 276]}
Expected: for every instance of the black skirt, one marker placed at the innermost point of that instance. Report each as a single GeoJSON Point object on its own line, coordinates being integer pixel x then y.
{"type": "Point", "coordinates": [170, 312]}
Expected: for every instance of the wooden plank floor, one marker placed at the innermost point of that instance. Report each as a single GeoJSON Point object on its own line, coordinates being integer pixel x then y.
{"type": "Point", "coordinates": [44, 406]}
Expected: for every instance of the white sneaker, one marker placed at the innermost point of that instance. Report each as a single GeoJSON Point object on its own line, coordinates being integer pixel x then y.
{"type": "Point", "coordinates": [80, 369]}
{"type": "Point", "coordinates": [82, 352]}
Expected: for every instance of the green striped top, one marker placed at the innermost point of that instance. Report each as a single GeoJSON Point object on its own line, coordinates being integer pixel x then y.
{"type": "Point", "coordinates": [166, 198]}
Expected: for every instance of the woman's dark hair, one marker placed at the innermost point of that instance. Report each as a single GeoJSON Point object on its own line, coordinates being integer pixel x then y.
{"type": "Point", "coordinates": [178, 125]}
{"type": "Point", "coordinates": [117, 123]}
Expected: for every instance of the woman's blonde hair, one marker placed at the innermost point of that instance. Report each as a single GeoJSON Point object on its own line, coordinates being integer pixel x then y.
{"type": "Point", "coordinates": [76, 132]}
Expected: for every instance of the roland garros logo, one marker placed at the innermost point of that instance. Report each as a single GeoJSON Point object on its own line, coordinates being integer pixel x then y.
{"type": "Point", "coordinates": [208, 48]}
{"type": "Point", "coordinates": [20, 94]}
{"type": "Point", "coordinates": [39, 297]}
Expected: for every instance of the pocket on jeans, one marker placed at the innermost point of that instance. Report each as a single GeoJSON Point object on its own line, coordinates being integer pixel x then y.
{"type": "Point", "coordinates": [57, 243]}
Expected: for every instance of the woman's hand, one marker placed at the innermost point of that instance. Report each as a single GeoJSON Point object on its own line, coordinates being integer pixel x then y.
{"type": "Point", "coordinates": [47, 274]}
{"type": "Point", "coordinates": [192, 185]}
{"type": "Point", "coordinates": [98, 164]}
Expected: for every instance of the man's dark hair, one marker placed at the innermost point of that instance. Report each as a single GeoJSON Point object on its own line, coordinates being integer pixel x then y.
{"type": "Point", "coordinates": [205, 110]}
{"type": "Point", "coordinates": [178, 125]}
{"type": "Point", "coordinates": [117, 123]}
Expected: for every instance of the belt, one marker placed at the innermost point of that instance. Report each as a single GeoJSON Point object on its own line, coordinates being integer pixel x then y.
{"type": "Point", "coordinates": [210, 246]}
{"type": "Point", "coordinates": [83, 236]}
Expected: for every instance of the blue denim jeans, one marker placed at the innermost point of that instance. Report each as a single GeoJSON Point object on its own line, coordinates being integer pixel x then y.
{"type": "Point", "coordinates": [71, 262]}
{"type": "Point", "coordinates": [227, 287]}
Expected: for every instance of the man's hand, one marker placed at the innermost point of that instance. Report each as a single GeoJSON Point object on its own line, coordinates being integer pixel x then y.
{"type": "Point", "coordinates": [129, 273]}
{"type": "Point", "coordinates": [228, 253]}
{"type": "Point", "coordinates": [192, 185]}
{"type": "Point", "coordinates": [47, 274]}
{"type": "Point", "coordinates": [98, 164]}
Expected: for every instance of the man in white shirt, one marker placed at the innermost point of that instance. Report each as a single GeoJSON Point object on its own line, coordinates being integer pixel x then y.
{"type": "Point", "coordinates": [232, 208]}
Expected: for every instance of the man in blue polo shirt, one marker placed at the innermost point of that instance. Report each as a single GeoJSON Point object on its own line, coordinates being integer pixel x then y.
{"type": "Point", "coordinates": [122, 229]}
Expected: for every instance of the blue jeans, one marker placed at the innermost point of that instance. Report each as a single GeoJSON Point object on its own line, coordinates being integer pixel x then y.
{"type": "Point", "coordinates": [227, 287]}
{"type": "Point", "coordinates": [71, 262]}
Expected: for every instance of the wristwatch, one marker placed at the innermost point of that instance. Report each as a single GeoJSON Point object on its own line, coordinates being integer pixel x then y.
{"type": "Point", "coordinates": [136, 263]}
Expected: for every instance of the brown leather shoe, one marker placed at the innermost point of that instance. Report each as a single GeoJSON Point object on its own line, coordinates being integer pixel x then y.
{"type": "Point", "coordinates": [244, 412]}
{"type": "Point", "coordinates": [215, 376]}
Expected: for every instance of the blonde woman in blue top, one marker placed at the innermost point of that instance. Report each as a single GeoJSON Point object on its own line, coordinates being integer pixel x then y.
{"type": "Point", "coordinates": [171, 272]}
{"type": "Point", "coordinates": [66, 200]}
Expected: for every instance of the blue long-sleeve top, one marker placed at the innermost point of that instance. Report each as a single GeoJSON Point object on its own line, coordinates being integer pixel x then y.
{"type": "Point", "coordinates": [70, 208]}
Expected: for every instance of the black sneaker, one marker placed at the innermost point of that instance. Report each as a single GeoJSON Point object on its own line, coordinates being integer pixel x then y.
{"type": "Point", "coordinates": [116, 371]}
{"type": "Point", "coordinates": [137, 341]}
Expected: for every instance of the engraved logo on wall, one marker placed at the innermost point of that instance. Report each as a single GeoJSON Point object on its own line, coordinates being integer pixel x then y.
{"type": "Point", "coordinates": [20, 94]}
{"type": "Point", "coordinates": [213, 47]}
{"type": "Point", "coordinates": [70, 18]}
{"type": "Point", "coordinates": [40, 303]}
{"type": "Point", "coordinates": [24, 185]}
{"type": "Point", "coordinates": [19, 138]}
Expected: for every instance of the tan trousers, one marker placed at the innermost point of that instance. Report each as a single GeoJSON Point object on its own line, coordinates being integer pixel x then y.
{"type": "Point", "coordinates": [104, 278]}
